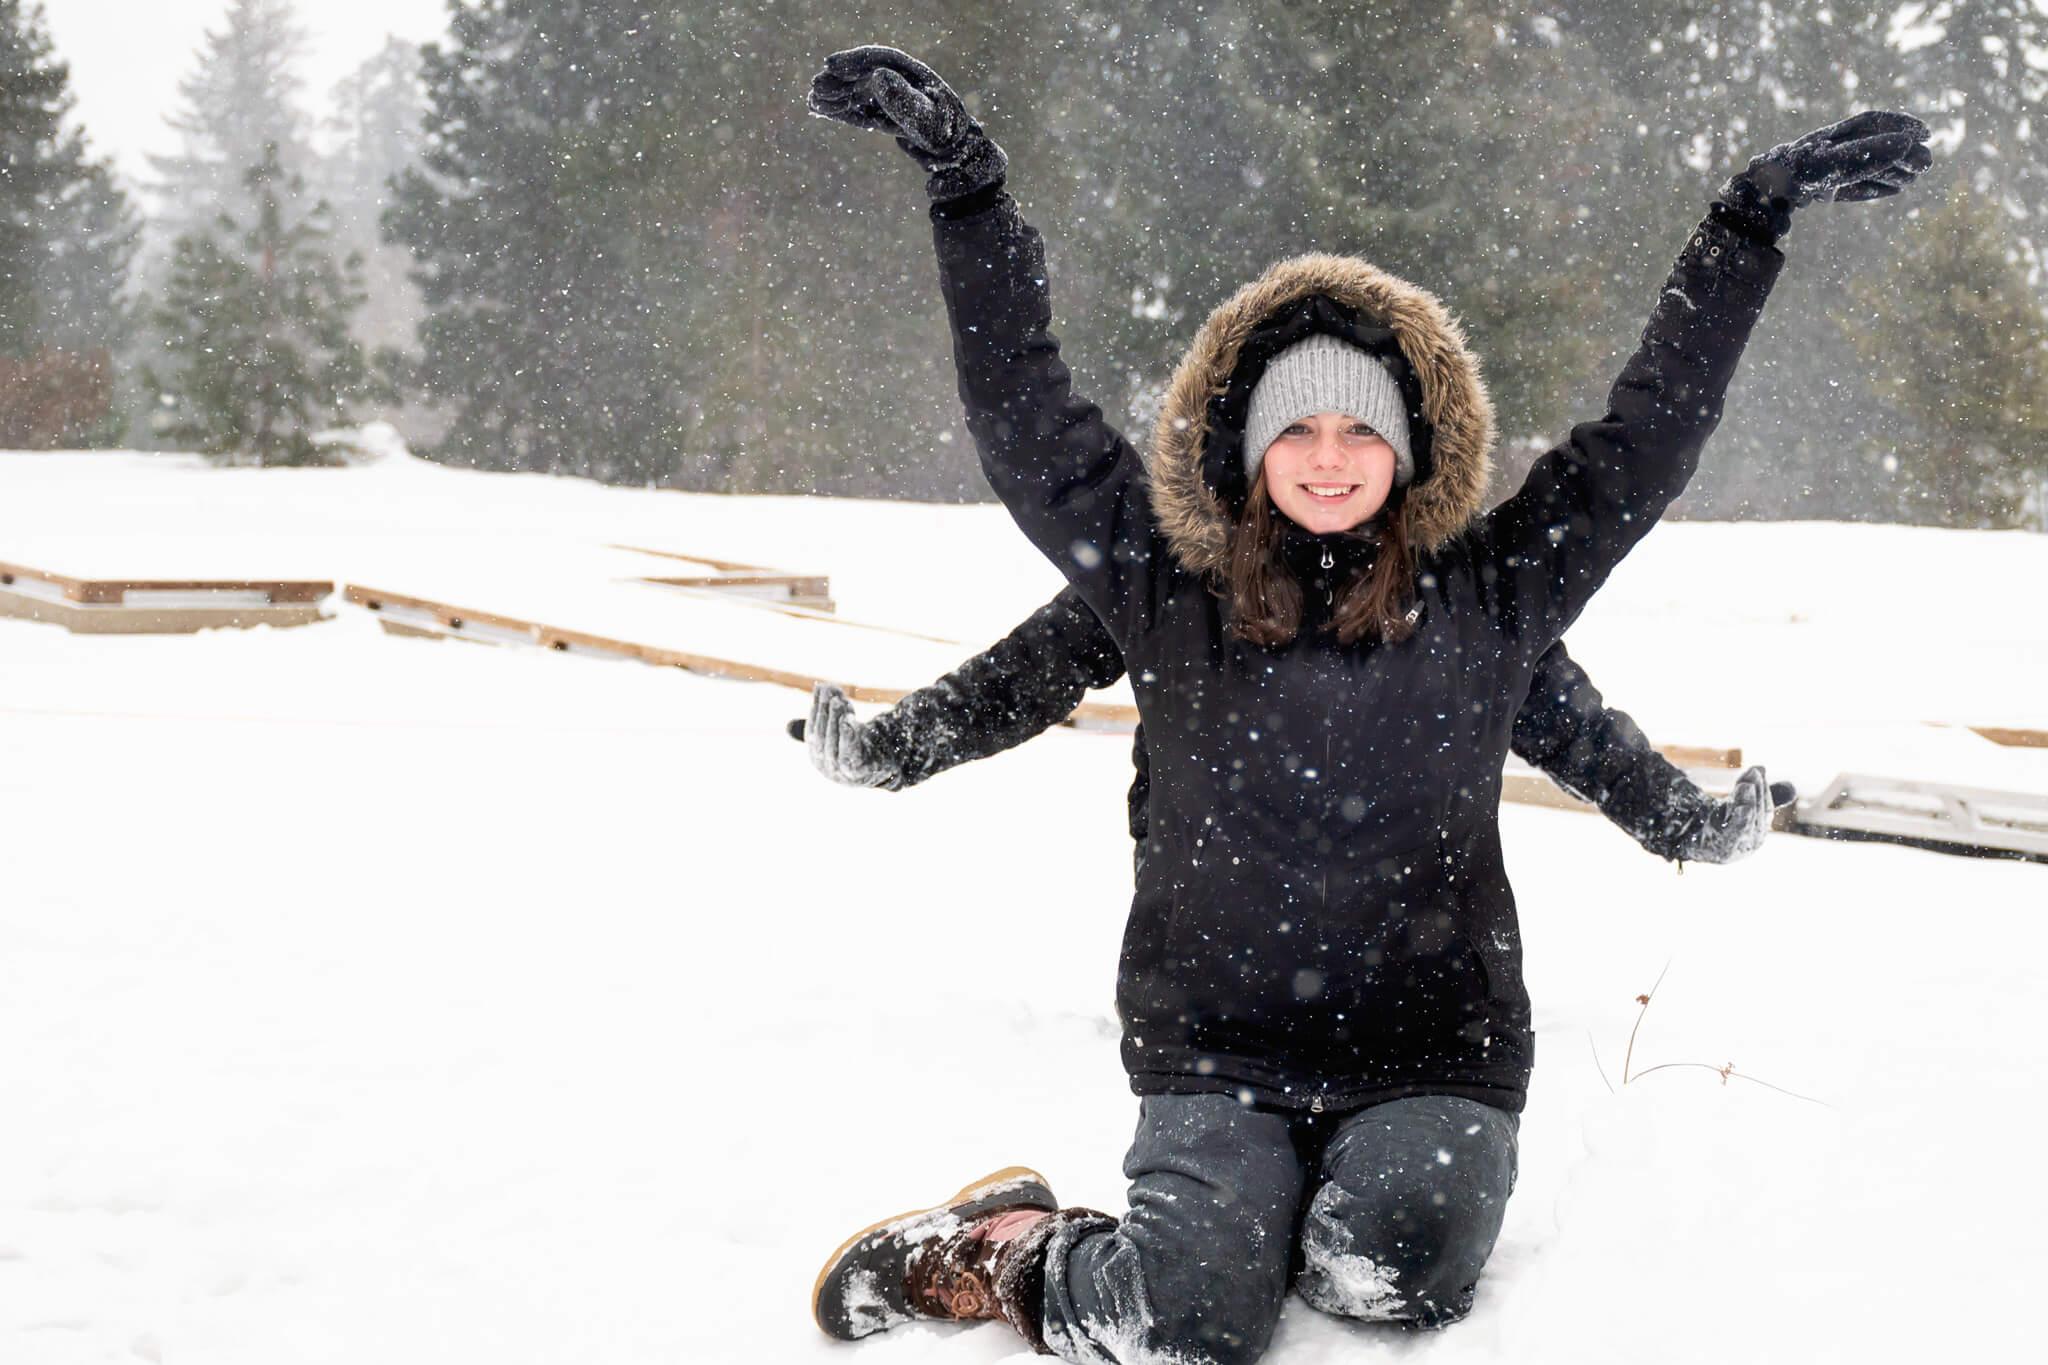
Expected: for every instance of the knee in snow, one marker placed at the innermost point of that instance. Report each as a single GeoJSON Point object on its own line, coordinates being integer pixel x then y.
{"type": "Point", "coordinates": [1381, 1260]}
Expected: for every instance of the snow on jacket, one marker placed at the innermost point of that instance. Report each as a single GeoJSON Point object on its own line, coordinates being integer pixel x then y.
{"type": "Point", "coordinates": [1324, 919]}
{"type": "Point", "coordinates": [1034, 677]}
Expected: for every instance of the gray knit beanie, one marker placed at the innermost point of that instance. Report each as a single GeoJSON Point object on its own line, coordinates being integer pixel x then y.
{"type": "Point", "coordinates": [1326, 374]}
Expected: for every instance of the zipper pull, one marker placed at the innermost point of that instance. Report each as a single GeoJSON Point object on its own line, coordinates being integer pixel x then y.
{"type": "Point", "coordinates": [1315, 1106]}
{"type": "Point", "coordinates": [1329, 600]}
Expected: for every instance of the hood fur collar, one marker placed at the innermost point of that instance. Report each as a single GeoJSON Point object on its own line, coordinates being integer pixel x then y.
{"type": "Point", "coordinates": [1454, 403]}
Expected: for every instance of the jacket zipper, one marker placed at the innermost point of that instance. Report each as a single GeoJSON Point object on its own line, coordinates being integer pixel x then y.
{"type": "Point", "coordinates": [1329, 741]}
{"type": "Point", "coordinates": [1328, 689]}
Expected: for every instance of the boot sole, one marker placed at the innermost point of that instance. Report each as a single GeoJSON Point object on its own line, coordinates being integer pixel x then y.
{"type": "Point", "coordinates": [969, 1194]}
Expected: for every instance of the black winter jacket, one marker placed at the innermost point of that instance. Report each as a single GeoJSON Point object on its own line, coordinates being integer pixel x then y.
{"type": "Point", "coordinates": [1034, 677]}
{"type": "Point", "coordinates": [1323, 919]}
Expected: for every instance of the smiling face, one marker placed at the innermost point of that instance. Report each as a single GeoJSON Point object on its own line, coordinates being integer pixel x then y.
{"type": "Point", "coordinates": [1329, 473]}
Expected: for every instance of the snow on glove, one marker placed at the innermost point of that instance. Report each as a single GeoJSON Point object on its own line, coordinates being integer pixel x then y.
{"type": "Point", "coordinates": [1734, 826]}
{"type": "Point", "coordinates": [887, 91]}
{"type": "Point", "coordinates": [841, 747]}
{"type": "Point", "coordinates": [1871, 155]}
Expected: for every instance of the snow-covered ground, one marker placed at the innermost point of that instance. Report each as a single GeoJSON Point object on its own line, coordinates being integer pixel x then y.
{"type": "Point", "coordinates": [371, 999]}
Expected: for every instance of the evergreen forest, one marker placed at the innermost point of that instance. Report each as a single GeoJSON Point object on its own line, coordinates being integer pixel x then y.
{"type": "Point", "coordinates": [603, 238]}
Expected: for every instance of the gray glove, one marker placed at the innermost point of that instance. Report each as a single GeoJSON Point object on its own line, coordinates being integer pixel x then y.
{"type": "Point", "coordinates": [1871, 155]}
{"type": "Point", "coordinates": [841, 747]}
{"type": "Point", "coordinates": [1733, 826]}
{"type": "Point", "coordinates": [887, 91]}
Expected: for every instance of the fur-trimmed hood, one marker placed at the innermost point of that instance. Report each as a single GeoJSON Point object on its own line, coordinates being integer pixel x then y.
{"type": "Point", "coordinates": [1193, 489]}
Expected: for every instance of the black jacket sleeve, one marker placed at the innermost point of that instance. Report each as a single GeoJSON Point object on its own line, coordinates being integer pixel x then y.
{"type": "Point", "coordinates": [1074, 484]}
{"type": "Point", "coordinates": [1587, 502]}
{"type": "Point", "coordinates": [1599, 755]}
{"type": "Point", "coordinates": [1028, 682]}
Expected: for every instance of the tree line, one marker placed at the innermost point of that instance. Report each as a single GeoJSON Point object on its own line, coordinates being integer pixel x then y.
{"type": "Point", "coordinates": [602, 238]}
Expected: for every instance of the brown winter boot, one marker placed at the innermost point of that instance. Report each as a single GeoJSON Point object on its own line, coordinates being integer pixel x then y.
{"type": "Point", "coordinates": [959, 1261]}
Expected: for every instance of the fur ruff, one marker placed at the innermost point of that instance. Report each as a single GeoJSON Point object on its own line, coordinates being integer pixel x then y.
{"type": "Point", "coordinates": [1454, 400]}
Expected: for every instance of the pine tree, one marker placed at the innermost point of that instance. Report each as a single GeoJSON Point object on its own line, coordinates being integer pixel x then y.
{"type": "Point", "coordinates": [375, 137]}
{"type": "Point", "coordinates": [641, 261]}
{"type": "Point", "coordinates": [1462, 147]}
{"type": "Point", "coordinates": [1956, 343]}
{"type": "Point", "coordinates": [241, 98]}
{"type": "Point", "coordinates": [66, 239]}
{"type": "Point", "coordinates": [92, 239]}
{"type": "Point", "coordinates": [375, 120]}
{"type": "Point", "coordinates": [1177, 171]}
{"type": "Point", "coordinates": [812, 345]}
{"type": "Point", "coordinates": [32, 101]}
{"type": "Point", "coordinates": [546, 272]}
{"type": "Point", "coordinates": [1978, 64]}
{"type": "Point", "coordinates": [255, 328]}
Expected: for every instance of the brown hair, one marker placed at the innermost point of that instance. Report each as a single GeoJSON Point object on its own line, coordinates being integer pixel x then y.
{"type": "Point", "coordinates": [1265, 597]}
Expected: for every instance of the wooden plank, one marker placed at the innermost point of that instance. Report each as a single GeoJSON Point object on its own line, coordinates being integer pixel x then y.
{"type": "Point", "coordinates": [280, 592]}
{"type": "Point", "coordinates": [109, 592]}
{"type": "Point", "coordinates": [804, 585]}
{"type": "Point", "coordinates": [1689, 756]}
{"type": "Point", "coordinates": [810, 590]}
{"type": "Point", "coordinates": [1088, 715]}
{"type": "Point", "coordinates": [2013, 739]}
{"type": "Point", "coordinates": [85, 618]}
{"type": "Point", "coordinates": [454, 619]}
{"type": "Point", "coordinates": [1534, 789]}
{"type": "Point", "coordinates": [412, 632]}
{"type": "Point", "coordinates": [10, 572]}
{"type": "Point", "coordinates": [807, 590]}
{"type": "Point", "coordinates": [722, 565]}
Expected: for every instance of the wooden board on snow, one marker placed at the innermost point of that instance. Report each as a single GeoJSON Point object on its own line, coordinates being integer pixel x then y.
{"type": "Point", "coordinates": [114, 592]}
{"type": "Point", "coordinates": [813, 591]}
{"type": "Point", "coordinates": [2015, 739]}
{"type": "Point", "coordinates": [411, 614]}
{"type": "Point", "coordinates": [157, 606]}
{"type": "Point", "coordinates": [1525, 786]}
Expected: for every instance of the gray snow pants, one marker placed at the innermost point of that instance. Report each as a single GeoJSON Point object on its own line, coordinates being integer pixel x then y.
{"type": "Point", "coordinates": [1383, 1214]}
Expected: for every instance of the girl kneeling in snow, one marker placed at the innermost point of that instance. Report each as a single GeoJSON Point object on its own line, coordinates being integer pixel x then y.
{"type": "Point", "coordinates": [1320, 986]}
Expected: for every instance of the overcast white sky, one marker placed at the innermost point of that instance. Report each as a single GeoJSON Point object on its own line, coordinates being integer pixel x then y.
{"type": "Point", "coordinates": [127, 57]}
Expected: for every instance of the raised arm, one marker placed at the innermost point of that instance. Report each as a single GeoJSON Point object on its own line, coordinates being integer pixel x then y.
{"type": "Point", "coordinates": [1073, 483]}
{"type": "Point", "coordinates": [1599, 755]}
{"type": "Point", "coordinates": [1029, 681]}
{"type": "Point", "coordinates": [1588, 501]}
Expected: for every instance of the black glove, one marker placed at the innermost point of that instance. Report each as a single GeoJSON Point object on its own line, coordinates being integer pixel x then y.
{"type": "Point", "coordinates": [840, 745]}
{"type": "Point", "coordinates": [886, 91]}
{"type": "Point", "coordinates": [1734, 826]}
{"type": "Point", "coordinates": [1871, 155]}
